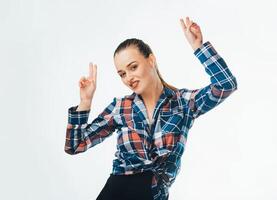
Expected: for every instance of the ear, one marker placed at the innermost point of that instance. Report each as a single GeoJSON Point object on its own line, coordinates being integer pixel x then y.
{"type": "Point", "coordinates": [152, 60]}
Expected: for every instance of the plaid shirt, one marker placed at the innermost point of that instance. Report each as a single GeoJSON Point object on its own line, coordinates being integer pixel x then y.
{"type": "Point", "coordinates": [156, 146]}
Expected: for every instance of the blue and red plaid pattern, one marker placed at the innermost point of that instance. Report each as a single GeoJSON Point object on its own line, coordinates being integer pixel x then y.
{"type": "Point", "coordinates": [156, 146]}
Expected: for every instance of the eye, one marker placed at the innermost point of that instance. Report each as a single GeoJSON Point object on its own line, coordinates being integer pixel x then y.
{"type": "Point", "coordinates": [121, 75]}
{"type": "Point", "coordinates": [133, 67]}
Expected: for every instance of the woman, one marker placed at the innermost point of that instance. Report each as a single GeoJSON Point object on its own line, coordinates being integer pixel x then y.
{"type": "Point", "coordinates": [152, 123]}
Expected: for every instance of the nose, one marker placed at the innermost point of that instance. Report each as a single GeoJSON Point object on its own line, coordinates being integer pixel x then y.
{"type": "Point", "coordinates": [130, 79]}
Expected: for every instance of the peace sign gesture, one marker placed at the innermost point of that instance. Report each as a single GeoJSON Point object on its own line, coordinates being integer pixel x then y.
{"type": "Point", "coordinates": [88, 84]}
{"type": "Point", "coordinates": [192, 32]}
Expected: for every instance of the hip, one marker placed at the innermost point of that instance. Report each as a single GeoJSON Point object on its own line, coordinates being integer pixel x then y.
{"type": "Point", "coordinates": [134, 186]}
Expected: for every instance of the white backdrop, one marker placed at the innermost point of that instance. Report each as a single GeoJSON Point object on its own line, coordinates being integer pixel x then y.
{"type": "Point", "coordinates": [45, 47]}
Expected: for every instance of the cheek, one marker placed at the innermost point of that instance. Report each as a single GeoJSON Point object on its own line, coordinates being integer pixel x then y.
{"type": "Point", "coordinates": [143, 74]}
{"type": "Point", "coordinates": [147, 75]}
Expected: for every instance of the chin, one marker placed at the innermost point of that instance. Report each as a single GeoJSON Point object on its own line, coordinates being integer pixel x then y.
{"type": "Point", "coordinates": [138, 90]}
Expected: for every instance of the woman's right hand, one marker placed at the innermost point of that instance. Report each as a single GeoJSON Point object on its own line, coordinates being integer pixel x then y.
{"type": "Point", "coordinates": [88, 84]}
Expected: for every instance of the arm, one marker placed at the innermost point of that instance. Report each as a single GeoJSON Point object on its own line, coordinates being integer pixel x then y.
{"type": "Point", "coordinates": [81, 136]}
{"type": "Point", "coordinates": [223, 83]}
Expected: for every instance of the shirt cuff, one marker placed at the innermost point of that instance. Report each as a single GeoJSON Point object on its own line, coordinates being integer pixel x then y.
{"type": "Point", "coordinates": [205, 51]}
{"type": "Point", "coordinates": [77, 117]}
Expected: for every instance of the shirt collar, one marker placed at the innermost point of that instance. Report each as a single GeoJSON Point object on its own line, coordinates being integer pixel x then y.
{"type": "Point", "coordinates": [167, 92]}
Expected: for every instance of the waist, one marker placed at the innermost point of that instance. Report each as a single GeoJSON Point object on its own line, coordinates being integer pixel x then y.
{"type": "Point", "coordinates": [146, 173]}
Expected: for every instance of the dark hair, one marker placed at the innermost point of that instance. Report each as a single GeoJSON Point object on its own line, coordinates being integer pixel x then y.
{"type": "Point", "coordinates": [145, 50]}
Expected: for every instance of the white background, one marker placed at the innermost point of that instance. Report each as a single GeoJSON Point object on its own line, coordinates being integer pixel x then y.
{"type": "Point", "coordinates": [45, 47]}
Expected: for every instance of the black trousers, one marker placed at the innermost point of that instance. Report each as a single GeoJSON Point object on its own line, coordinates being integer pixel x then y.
{"type": "Point", "coordinates": [128, 187]}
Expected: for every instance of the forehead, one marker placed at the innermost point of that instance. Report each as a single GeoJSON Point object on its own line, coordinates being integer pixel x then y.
{"type": "Point", "coordinates": [125, 56]}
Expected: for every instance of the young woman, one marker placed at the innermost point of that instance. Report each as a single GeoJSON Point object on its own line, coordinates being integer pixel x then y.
{"type": "Point", "coordinates": [152, 123]}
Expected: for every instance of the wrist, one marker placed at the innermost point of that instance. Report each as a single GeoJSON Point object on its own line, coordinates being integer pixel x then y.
{"type": "Point", "coordinates": [84, 105]}
{"type": "Point", "coordinates": [196, 46]}
{"type": "Point", "coordinates": [86, 101]}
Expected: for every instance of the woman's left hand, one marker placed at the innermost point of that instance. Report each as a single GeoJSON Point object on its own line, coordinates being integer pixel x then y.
{"type": "Point", "coordinates": [192, 32]}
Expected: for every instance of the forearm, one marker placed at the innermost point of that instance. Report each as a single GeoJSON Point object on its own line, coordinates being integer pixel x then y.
{"type": "Point", "coordinates": [223, 82]}
{"type": "Point", "coordinates": [76, 131]}
{"type": "Point", "coordinates": [80, 135]}
{"type": "Point", "coordinates": [215, 66]}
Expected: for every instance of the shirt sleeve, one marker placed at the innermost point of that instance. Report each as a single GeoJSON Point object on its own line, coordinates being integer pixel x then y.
{"type": "Point", "coordinates": [81, 136]}
{"type": "Point", "coordinates": [223, 82]}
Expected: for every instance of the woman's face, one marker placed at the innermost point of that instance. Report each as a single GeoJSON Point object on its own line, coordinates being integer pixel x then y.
{"type": "Point", "coordinates": [135, 71]}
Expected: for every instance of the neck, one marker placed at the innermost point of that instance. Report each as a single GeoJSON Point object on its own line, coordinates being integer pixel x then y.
{"type": "Point", "coordinates": [152, 95]}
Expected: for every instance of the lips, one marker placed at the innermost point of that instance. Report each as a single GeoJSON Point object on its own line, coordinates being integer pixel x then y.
{"type": "Point", "coordinates": [134, 84]}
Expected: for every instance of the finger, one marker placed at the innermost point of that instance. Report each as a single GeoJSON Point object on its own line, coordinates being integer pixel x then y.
{"type": "Point", "coordinates": [81, 85]}
{"type": "Point", "coordinates": [94, 74]}
{"type": "Point", "coordinates": [184, 27]}
{"type": "Point", "coordinates": [82, 79]}
{"type": "Point", "coordinates": [90, 74]}
{"type": "Point", "coordinates": [195, 27]}
{"type": "Point", "coordinates": [189, 22]}
{"type": "Point", "coordinates": [92, 71]}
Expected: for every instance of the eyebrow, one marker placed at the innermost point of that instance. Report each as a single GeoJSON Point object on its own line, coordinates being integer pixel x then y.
{"type": "Point", "coordinates": [126, 66]}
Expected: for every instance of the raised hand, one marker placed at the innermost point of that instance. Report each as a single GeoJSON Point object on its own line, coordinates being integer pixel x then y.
{"type": "Point", "coordinates": [192, 32]}
{"type": "Point", "coordinates": [88, 84]}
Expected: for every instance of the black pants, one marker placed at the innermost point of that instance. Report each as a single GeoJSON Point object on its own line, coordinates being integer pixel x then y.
{"type": "Point", "coordinates": [128, 187]}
